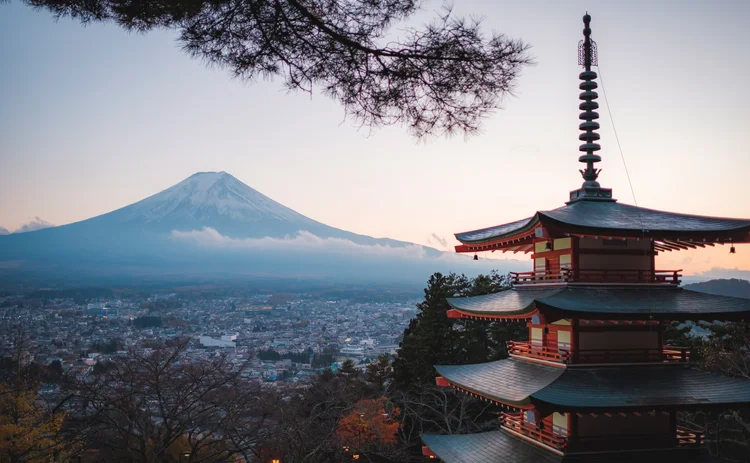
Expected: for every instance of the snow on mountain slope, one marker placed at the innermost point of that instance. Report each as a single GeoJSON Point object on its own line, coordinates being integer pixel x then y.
{"type": "Point", "coordinates": [213, 224]}
{"type": "Point", "coordinates": [207, 200]}
{"type": "Point", "coordinates": [205, 195]}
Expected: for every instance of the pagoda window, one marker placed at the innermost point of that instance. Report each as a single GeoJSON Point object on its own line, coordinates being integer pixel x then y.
{"type": "Point", "coordinates": [612, 431]}
{"type": "Point", "coordinates": [618, 340]}
{"type": "Point", "coordinates": [540, 264]}
{"type": "Point", "coordinates": [541, 247]}
{"type": "Point", "coordinates": [566, 261]}
{"type": "Point", "coordinates": [563, 340]}
{"type": "Point", "coordinates": [562, 243]}
{"type": "Point", "coordinates": [603, 254]}
{"type": "Point", "coordinates": [537, 336]}
{"type": "Point", "coordinates": [560, 423]}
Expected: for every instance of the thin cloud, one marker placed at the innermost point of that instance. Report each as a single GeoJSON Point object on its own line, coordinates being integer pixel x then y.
{"type": "Point", "coordinates": [33, 225]}
{"type": "Point", "coordinates": [303, 241]}
{"type": "Point", "coordinates": [441, 241]}
{"type": "Point", "coordinates": [717, 272]}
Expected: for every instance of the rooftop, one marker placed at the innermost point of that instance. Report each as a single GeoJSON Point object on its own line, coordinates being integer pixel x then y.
{"type": "Point", "coordinates": [520, 383]}
{"type": "Point", "coordinates": [611, 219]}
{"type": "Point", "coordinates": [493, 446]}
{"type": "Point", "coordinates": [595, 302]}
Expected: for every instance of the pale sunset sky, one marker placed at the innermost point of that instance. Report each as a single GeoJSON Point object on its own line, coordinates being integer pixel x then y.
{"type": "Point", "coordinates": [95, 118]}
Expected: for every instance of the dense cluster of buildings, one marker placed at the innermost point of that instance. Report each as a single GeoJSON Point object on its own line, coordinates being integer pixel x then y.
{"type": "Point", "coordinates": [298, 337]}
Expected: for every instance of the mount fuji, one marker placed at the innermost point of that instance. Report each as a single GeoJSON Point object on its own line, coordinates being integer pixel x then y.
{"type": "Point", "coordinates": [212, 224]}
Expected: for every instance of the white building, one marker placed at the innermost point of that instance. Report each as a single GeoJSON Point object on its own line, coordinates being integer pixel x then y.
{"type": "Point", "coordinates": [208, 341]}
{"type": "Point", "coordinates": [351, 350]}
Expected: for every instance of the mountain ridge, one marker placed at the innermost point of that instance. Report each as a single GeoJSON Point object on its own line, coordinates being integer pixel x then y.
{"type": "Point", "coordinates": [213, 223]}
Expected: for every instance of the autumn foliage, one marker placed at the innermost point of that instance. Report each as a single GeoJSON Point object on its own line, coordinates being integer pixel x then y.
{"type": "Point", "coordinates": [27, 433]}
{"type": "Point", "coordinates": [371, 423]}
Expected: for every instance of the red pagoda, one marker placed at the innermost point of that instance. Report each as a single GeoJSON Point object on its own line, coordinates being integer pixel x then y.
{"type": "Point", "coordinates": [595, 380]}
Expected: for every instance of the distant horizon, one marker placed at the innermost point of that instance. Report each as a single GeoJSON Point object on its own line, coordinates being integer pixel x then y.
{"type": "Point", "coordinates": [690, 277]}
{"type": "Point", "coordinates": [82, 139]}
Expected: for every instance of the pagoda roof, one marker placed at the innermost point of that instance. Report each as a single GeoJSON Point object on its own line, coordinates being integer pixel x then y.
{"type": "Point", "coordinates": [596, 302]}
{"type": "Point", "coordinates": [643, 387]}
{"type": "Point", "coordinates": [611, 218]}
{"type": "Point", "coordinates": [502, 447]}
{"type": "Point", "coordinates": [508, 381]}
{"type": "Point", "coordinates": [518, 383]}
{"type": "Point", "coordinates": [493, 446]}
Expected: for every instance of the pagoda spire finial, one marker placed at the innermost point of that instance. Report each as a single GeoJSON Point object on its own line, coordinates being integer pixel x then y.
{"type": "Point", "coordinates": [587, 57]}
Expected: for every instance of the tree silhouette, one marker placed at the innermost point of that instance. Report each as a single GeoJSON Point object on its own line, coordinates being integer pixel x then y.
{"type": "Point", "coordinates": [434, 339]}
{"type": "Point", "coordinates": [441, 78]}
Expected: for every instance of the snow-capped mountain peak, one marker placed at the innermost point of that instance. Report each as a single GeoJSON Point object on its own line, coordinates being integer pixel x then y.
{"type": "Point", "coordinates": [206, 196]}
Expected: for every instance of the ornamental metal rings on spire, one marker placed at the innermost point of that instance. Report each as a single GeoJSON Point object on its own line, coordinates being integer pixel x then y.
{"type": "Point", "coordinates": [587, 57]}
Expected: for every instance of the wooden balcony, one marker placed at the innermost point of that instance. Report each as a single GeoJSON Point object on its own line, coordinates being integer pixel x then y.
{"type": "Point", "coordinates": [515, 422]}
{"type": "Point", "coordinates": [684, 437]}
{"type": "Point", "coordinates": [529, 350]}
{"type": "Point", "coordinates": [687, 437]}
{"type": "Point", "coordinates": [660, 277]}
{"type": "Point", "coordinates": [669, 354]}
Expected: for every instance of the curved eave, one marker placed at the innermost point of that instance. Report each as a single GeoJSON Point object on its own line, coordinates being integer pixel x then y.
{"type": "Point", "coordinates": [601, 303]}
{"type": "Point", "coordinates": [642, 388]}
{"type": "Point", "coordinates": [457, 313]}
{"type": "Point", "coordinates": [589, 218]}
{"type": "Point", "coordinates": [492, 446]}
{"type": "Point", "coordinates": [510, 304]}
{"type": "Point", "coordinates": [598, 303]}
{"type": "Point", "coordinates": [641, 315]}
{"type": "Point", "coordinates": [507, 382]}
{"type": "Point", "coordinates": [522, 313]}
{"type": "Point", "coordinates": [734, 235]}
{"type": "Point", "coordinates": [524, 403]}
{"type": "Point", "coordinates": [507, 238]}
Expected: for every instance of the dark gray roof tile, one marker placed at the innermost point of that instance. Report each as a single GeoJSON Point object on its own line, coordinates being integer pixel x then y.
{"type": "Point", "coordinates": [486, 447]}
{"type": "Point", "coordinates": [616, 219]}
{"type": "Point", "coordinates": [597, 302]}
{"type": "Point", "coordinates": [642, 387]}
{"type": "Point", "coordinates": [508, 381]}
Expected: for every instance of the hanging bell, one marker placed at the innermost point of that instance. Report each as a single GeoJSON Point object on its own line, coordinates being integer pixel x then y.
{"type": "Point", "coordinates": [732, 250]}
{"type": "Point", "coordinates": [547, 246]}
{"type": "Point", "coordinates": [476, 257]}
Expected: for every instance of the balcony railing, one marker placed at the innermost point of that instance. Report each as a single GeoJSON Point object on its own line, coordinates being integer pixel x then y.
{"type": "Point", "coordinates": [515, 422]}
{"type": "Point", "coordinates": [526, 349]}
{"type": "Point", "coordinates": [687, 437]}
{"type": "Point", "coordinates": [684, 437]}
{"type": "Point", "coordinates": [565, 275]}
{"type": "Point", "coordinates": [669, 354]}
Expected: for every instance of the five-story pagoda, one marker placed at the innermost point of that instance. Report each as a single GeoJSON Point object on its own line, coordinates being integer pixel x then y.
{"type": "Point", "coordinates": [595, 380]}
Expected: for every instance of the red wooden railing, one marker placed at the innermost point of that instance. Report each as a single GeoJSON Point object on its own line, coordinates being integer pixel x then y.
{"type": "Point", "coordinates": [684, 437]}
{"type": "Point", "coordinates": [689, 437]}
{"type": "Point", "coordinates": [669, 354]}
{"type": "Point", "coordinates": [515, 422]}
{"type": "Point", "coordinates": [527, 349]}
{"type": "Point", "coordinates": [566, 275]}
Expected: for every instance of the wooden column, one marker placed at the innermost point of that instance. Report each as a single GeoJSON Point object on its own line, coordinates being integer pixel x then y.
{"type": "Point", "coordinates": [574, 340]}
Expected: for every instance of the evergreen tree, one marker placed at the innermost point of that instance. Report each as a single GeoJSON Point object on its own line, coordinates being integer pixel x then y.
{"type": "Point", "coordinates": [347, 369]}
{"type": "Point", "coordinates": [434, 339]}
{"type": "Point", "coordinates": [379, 373]}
